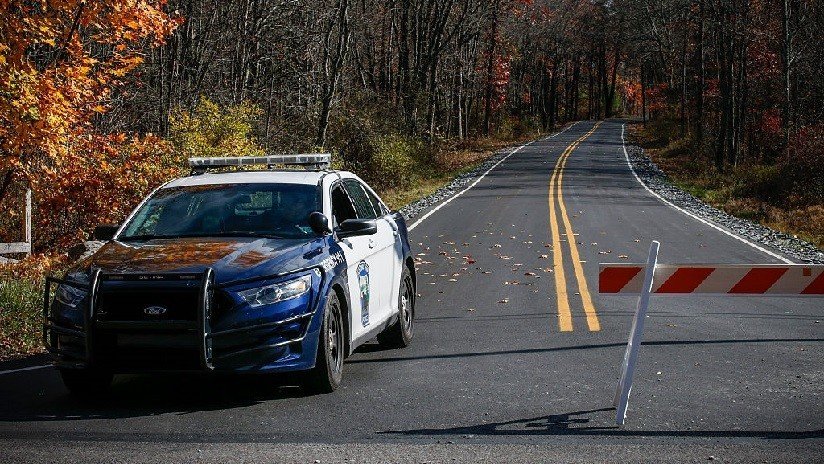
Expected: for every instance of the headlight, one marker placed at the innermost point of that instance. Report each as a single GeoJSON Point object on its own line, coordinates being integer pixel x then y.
{"type": "Point", "coordinates": [277, 292]}
{"type": "Point", "coordinates": [69, 296]}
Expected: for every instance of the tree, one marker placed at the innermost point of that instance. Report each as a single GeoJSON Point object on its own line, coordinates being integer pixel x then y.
{"type": "Point", "coordinates": [60, 63]}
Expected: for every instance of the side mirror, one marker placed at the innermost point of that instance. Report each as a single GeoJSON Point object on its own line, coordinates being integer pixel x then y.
{"type": "Point", "coordinates": [319, 223]}
{"type": "Point", "coordinates": [104, 233]}
{"type": "Point", "coordinates": [357, 227]}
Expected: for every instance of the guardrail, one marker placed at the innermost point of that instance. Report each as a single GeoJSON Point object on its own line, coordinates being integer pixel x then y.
{"type": "Point", "coordinates": [645, 280]}
{"type": "Point", "coordinates": [21, 247]}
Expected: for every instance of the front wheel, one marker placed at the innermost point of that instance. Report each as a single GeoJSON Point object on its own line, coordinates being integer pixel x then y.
{"type": "Point", "coordinates": [399, 335]}
{"type": "Point", "coordinates": [326, 376]}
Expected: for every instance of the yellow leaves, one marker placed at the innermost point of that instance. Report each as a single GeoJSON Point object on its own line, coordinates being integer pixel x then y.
{"type": "Point", "coordinates": [210, 130]}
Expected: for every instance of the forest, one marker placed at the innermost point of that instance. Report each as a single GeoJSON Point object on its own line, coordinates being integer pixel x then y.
{"type": "Point", "coordinates": [101, 101]}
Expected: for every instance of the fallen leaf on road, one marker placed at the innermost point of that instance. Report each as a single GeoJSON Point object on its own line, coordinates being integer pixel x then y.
{"type": "Point", "coordinates": [504, 301]}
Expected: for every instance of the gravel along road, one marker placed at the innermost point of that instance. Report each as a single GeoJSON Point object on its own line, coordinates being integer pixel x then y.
{"type": "Point", "coordinates": [515, 357]}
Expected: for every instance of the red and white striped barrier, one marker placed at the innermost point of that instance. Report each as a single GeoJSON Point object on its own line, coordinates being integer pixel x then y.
{"type": "Point", "coordinates": [715, 279]}
{"type": "Point", "coordinates": [651, 278]}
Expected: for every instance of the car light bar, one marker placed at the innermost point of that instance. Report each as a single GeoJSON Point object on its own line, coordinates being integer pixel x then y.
{"type": "Point", "coordinates": [318, 160]}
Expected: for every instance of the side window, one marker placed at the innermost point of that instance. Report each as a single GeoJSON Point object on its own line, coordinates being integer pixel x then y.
{"type": "Point", "coordinates": [342, 208]}
{"type": "Point", "coordinates": [380, 209]}
{"type": "Point", "coordinates": [362, 203]}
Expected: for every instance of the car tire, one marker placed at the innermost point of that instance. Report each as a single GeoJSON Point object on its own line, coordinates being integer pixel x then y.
{"type": "Point", "coordinates": [399, 334]}
{"type": "Point", "coordinates": [327, 374]}
{"type": "Point", "coordinates": [87, 383]}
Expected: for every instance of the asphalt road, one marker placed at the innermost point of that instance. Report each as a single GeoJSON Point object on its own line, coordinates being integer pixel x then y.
{"type": "Point", "coordinates": [497, 372]}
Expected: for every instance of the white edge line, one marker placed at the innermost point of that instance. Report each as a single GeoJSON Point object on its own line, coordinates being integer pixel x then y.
{"type": "Point", "coordinates": [664, 200]}
{"type": "Point", "coordinates": [480, 178]}
{"type": "Point", "coordinates": [30, 368]}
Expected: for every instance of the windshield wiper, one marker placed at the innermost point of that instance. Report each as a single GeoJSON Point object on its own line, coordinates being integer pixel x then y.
{"type": "Point", "coordinates": [219, 234]}
{"type": "Point", "coordinates": [241, 234]}
{"type": "Point", "coordinates": [141, 237]}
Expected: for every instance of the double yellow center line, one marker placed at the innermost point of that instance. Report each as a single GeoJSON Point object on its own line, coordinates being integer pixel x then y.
{"type": "Point", "coordinates": [556, 191]}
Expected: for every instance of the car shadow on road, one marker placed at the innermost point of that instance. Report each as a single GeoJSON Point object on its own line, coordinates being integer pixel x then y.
{"type": "Point", "coordinates": [592, 423]}
{"type": "Point", "coordinates": [147, 395]}
{"type": "Point", "coordinates": [582, 347]}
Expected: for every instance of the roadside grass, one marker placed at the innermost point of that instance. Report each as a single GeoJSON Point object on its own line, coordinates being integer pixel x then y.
{"type": "Point", "coordinates": [448, 163]}
{"type": "Point", "coordinates": [21, 303]}
{"type": "Point", "coordinates": [20, 316]}
{"type": "Point", "coordinates": [754, 192]}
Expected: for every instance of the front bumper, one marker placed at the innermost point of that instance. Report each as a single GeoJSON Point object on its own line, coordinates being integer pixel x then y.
{"type": "Point", "coordinates": [204, 341]}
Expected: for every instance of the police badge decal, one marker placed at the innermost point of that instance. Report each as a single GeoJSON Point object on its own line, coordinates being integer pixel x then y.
{"type": "Point", "coordinates": [363, 284]}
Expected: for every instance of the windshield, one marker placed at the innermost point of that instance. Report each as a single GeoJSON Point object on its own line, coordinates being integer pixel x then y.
{"type": "Point", "coordinates": [226, 210]}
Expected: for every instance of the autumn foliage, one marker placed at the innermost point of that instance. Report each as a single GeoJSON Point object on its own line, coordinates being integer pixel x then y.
{"type": "Point", "coordinates": [61, 65]}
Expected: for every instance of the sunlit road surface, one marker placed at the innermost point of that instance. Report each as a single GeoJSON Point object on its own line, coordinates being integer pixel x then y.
{"type": "Point", "coordinates": [515, 356]}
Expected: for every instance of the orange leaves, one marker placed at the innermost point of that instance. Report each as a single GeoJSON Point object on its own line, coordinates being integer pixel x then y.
{"type": "Point", "coordinates": [101, 182]}
{"type": "Point", "coordinates": [58, 66]}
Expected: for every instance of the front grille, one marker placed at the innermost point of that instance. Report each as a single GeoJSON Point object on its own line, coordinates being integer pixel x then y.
{"type": "Point", "coordinates": [157, 302]}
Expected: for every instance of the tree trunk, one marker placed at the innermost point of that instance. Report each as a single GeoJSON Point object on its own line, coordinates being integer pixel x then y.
{"type": "Point", "coordinates": [643, 97]}
{"type": "Point", "coordinates": [699, 94]}
{"type": "Point", "coordinates": [490, 65]}
{"type": "Point", "coordinates": [333, 65]}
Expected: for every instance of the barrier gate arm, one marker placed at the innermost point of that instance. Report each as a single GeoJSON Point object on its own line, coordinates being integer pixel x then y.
{"type": "Point", "coordinates": [795, 280]}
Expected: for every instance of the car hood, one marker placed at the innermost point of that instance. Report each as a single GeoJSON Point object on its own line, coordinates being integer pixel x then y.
{"type": "Point", "coordinates": [229, 258]}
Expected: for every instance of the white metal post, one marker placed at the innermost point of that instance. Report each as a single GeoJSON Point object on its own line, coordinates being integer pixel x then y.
{"type": "Point", "coordinates": [28, 218]}
{"type": "Point", "coordinates": [631, 355]}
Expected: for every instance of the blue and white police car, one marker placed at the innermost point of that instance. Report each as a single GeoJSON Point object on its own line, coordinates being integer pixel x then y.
{"type": "Point", "coordinates": [276, 270]}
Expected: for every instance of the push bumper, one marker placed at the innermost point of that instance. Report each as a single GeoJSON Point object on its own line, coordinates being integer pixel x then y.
{"type": "Point", "coordinates": [279, 345]}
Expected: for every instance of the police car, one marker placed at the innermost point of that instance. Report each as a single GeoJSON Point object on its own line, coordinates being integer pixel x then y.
{"type": "Point", "coordinates": [275, 270]}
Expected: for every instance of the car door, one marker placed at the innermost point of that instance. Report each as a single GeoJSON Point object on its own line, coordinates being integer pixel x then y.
{"type": "Point", "coordinates": [359, 261]}
{"type": "Point", "coordinates": [394, 254]}
{"type": "Point", "coordinates": [381, 260]}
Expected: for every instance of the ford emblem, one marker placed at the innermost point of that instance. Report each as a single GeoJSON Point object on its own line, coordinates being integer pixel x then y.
{"type": "Point", "coordinates": [154, 310]}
